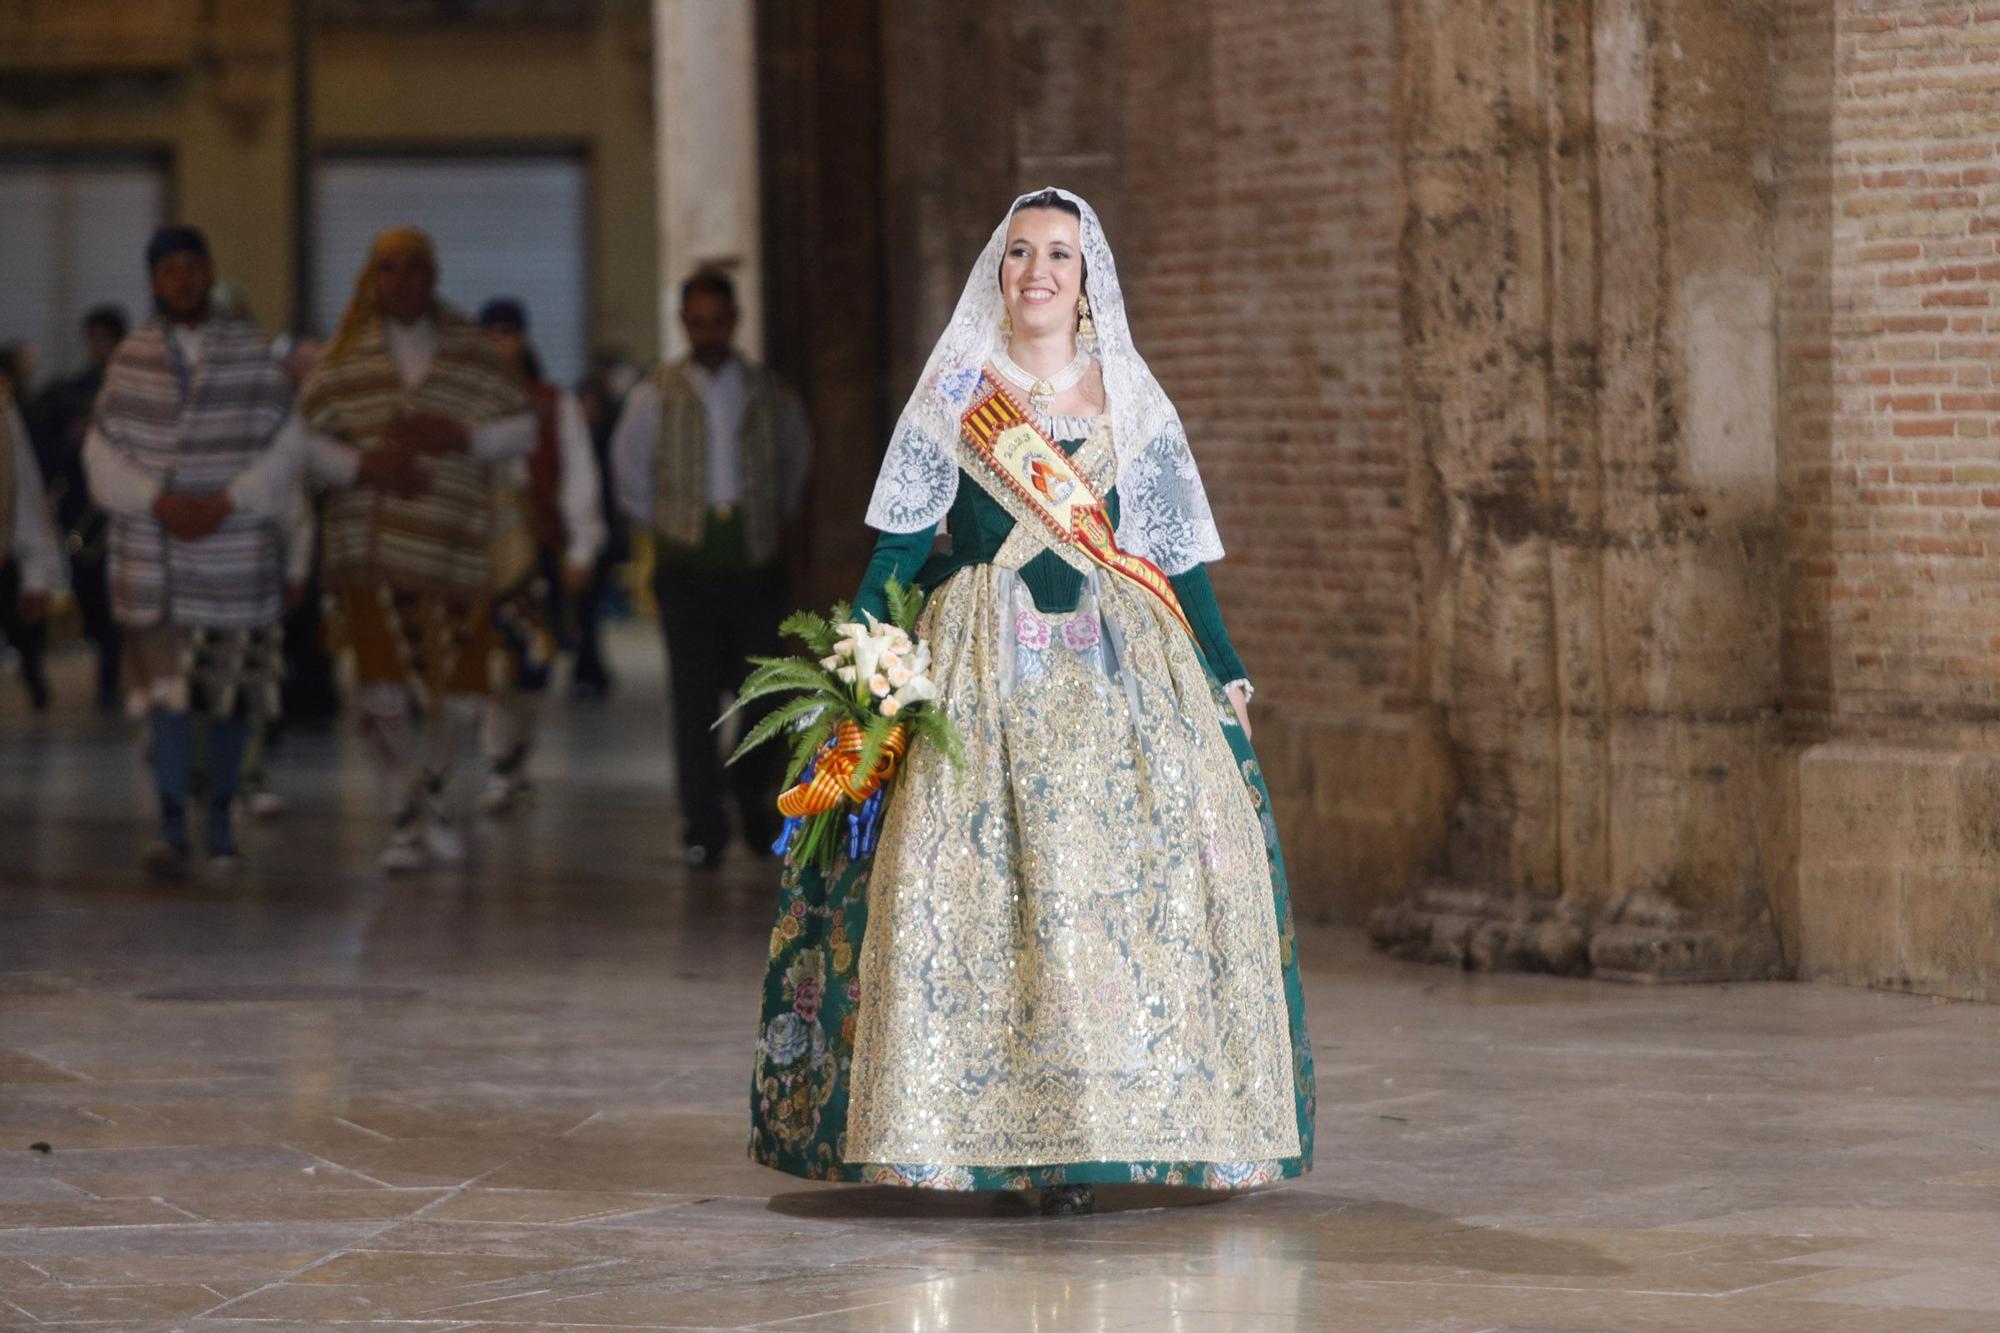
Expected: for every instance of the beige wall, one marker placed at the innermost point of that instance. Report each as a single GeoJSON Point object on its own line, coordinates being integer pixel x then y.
{"type": "Point", "coordinates": [225, 121]}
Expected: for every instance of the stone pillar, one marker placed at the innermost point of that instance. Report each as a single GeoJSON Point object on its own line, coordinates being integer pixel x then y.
{"type": "Point", "coordinates": [705, 91]}
{"type": "Point", "coordinates": [1590, 288]}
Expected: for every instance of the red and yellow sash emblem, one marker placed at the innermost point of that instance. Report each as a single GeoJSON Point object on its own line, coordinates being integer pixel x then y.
{"type": "Point", "coordinates": [1031, 466]}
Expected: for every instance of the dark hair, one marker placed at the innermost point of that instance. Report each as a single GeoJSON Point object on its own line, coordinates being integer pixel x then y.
{"type": "Point", "coordinates": [711, 280]}
{"type": "Point", "coordinates": [175, 239]}
{"type": "Point", "coordinates": [110, 318]}
{"type": "Point", "coordinates": [1051, 199]}
{"type": "Point", "coordinates": [506, 312]}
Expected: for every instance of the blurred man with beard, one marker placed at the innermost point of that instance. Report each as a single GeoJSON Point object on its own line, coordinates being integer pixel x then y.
{"type": "Point", "coordinates": [712, 453]}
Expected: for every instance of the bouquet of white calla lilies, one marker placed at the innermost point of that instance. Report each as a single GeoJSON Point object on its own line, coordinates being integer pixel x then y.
{"type": "Point", "coordinates": [861, 700]}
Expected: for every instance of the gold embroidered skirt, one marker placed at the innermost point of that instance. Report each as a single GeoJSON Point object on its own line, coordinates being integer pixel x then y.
{"type": "Point", "coordinates": [1071, 953]}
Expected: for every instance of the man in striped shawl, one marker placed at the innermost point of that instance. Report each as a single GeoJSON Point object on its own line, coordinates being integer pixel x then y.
{"type": "Point", "coordinates": [409, 412]}
{"type": "Point", "coordinates": [181, 454]}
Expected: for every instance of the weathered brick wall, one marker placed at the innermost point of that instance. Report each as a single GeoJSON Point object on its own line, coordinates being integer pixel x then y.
{"type": "Point", "coordinates": [1260, 210]}
{"type": "Point", "coordinates": [1262, 204]}
{"type": "Point", "coordinates": [1892, 659]}
{"type": "Point", "coordinates": [1804, 48]}
{"type": "Point", "coordinates": [1911, 505]}
{"type": "Point", "coordinates": [1243, 158]}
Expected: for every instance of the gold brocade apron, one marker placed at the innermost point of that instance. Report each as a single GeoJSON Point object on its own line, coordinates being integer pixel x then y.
{"type": "Point", "coordinates": [1071, 954]}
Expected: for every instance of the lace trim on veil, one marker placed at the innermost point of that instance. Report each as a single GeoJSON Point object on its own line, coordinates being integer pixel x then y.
{"type": "Point", "coordinates": [1164, 513]}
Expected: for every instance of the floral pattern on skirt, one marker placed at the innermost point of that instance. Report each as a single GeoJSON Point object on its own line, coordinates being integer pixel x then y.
{"type": "Point", "coordinates": [806, 1042]}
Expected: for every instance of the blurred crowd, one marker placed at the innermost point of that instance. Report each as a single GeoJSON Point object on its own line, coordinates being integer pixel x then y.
{"type": "Point", "coordinates": [402, 524]}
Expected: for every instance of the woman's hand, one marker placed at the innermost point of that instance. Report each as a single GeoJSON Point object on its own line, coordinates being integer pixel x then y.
{"type": "Point", "coordinates": [1239, 699]}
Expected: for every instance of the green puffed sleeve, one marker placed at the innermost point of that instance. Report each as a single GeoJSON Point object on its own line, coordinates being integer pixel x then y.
{"type": "Point", "coordinates": [1197, 596]}
{"type": "Point", "coordinates": [898, 556]}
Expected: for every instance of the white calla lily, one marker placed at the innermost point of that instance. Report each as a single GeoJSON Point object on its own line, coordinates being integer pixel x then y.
{"type": "Point", "coordinates": [867, 656]}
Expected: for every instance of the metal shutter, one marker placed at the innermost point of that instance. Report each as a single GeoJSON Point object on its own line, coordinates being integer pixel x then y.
{"type": "Point", "coordinates": [73, 235]}
{"type": "Point", "coordinates": [504, 226]}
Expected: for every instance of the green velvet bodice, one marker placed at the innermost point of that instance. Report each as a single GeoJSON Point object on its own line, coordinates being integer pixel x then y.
{"type": "Point", "coordinates": [979, 525]}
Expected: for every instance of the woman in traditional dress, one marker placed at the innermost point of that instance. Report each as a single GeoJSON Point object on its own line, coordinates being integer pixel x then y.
{"type": "Point", "coordinates": [1070, 961]}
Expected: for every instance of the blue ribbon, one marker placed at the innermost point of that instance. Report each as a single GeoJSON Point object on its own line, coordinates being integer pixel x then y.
{"type": "Point", "coordinates": [790, 832]}
{"type": "Point", "coordinates": [865, 827]}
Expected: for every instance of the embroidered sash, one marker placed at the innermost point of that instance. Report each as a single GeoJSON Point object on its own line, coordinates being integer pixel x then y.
{"type": "Point", "coordinates": [1033, 478]}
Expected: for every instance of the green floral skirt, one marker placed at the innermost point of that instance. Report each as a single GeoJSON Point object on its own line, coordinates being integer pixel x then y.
{"type": "Point", "coordinates": [1073, 1048]}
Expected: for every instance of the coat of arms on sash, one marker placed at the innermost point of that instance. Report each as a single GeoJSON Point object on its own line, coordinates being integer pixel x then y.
{"type": "Point", "coordinates": [1018, 463]}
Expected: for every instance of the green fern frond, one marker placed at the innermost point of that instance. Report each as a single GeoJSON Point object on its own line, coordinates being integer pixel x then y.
{"type": "Point", "coordinates": [776, 721]}
{"type": "Point", "coordinates": [811, 629]}
{"type": "Point", "coordinates": [794, 674]}
{"type": "Point", "coordinates": [930, 725]}
{"type": "Point", "coordinates": [905, 605]}
{"type": "Point", "coordinates": [874, 734]}
{"type": "Point", "coordinates": [806, 744]}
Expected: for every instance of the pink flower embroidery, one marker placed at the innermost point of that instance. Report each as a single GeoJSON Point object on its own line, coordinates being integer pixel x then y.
{"type": "Point", "coordinates": [1080, 635]}
{"type": "Point", "coordinates": [1031, 631]}
{"type": "Point", "coordinates": [805, 1000]}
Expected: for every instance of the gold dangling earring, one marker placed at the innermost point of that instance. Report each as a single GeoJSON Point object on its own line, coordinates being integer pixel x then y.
{"type": "Point", "coordinates": [1086, 331]}
{"type": "Point", "coordinates": [1006, 324]}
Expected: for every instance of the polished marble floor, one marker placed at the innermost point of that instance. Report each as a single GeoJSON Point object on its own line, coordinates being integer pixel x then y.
{"type": "Point", "coordinates": [511, 1097]}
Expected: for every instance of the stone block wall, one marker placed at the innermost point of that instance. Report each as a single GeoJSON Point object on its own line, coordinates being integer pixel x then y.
{"type": "Point", "coordinates": [1899, 868]}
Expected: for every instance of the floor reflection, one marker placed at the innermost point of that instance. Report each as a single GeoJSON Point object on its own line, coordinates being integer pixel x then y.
{"type": "Point", "coordinates": [512, 1096]}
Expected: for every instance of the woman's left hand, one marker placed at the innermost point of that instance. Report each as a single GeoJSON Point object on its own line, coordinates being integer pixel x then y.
{"type": "Point", "coordinates": [1241, 702]}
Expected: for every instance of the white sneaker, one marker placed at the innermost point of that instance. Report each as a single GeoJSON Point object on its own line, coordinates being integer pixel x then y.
{"type": "Point", "coordinates": [404, 853]}
{"type": "Point", "coordinates": [266, 805]}
{"type": "Point", "coordinates": [225, 864]}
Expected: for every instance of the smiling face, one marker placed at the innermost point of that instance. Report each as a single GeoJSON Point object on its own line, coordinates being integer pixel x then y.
{"type": "Point", "coordinates": [1041, 272]}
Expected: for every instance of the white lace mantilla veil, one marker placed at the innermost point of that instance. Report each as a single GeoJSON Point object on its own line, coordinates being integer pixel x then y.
{"type": "Point", "coordinates": [1163, 510]}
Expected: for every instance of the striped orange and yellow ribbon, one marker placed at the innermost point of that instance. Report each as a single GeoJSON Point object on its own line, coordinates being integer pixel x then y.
{"type": "Point", "coordinates": [834, 777]}
{"type": "Point", "coordinates": [1081, 522]}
